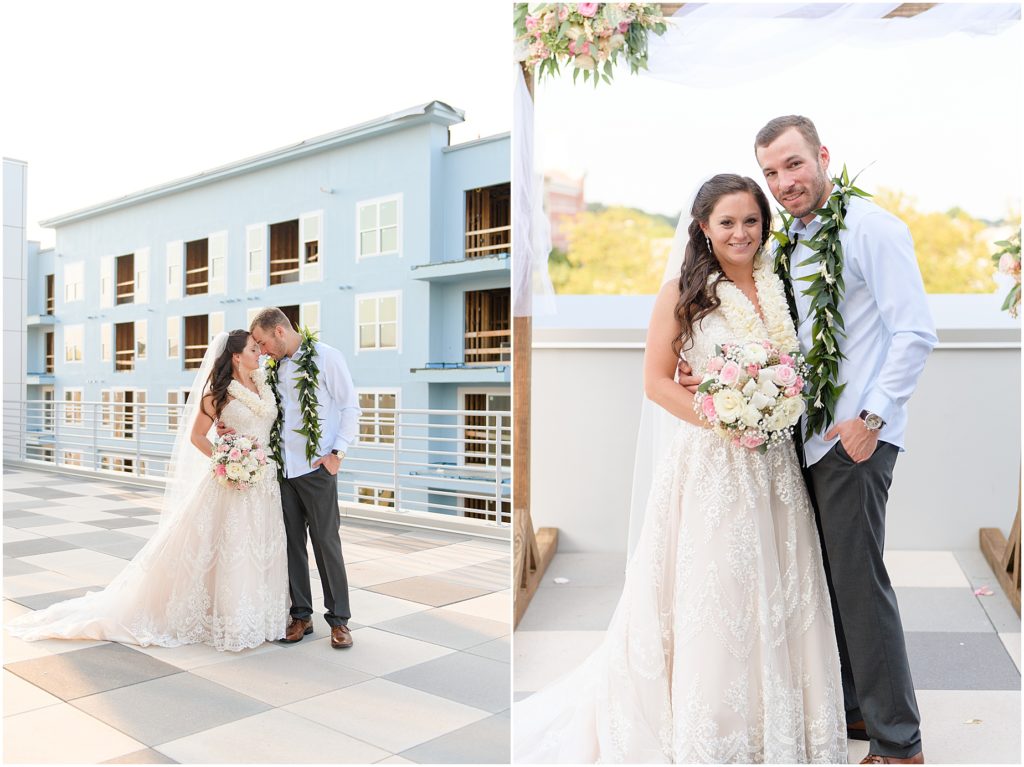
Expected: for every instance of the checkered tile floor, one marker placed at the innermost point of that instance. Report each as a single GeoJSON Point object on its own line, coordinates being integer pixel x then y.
{"type": "Point", "coordinates": [427, 680]}
{"type": "Point", "coordinates": [964, 650]}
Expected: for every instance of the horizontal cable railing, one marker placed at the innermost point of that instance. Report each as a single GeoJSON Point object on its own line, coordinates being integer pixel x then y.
{"type": "Point", "coordinates": [450, 462]}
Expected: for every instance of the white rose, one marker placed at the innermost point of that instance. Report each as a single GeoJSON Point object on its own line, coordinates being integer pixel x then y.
{"type": "Point", "coordinates": [766, 374]}
{"type": "Point", "coordinates": [749, 388]}
{"type": "Point", "coordinates": [791, 409]}
{"type": "Point", "coordinates": [768, 389]}
{"type": "Point", "coordinates": [729, 404]}
{"type": "Point", "coordinates": [750, 416]}
{"type": "Point", "coordinates": [234, 471]}
{"type": "Point", "coordinates": [776, 421]}
{"type": "Point", "coordinates": [244, 444]}
{"type": "Point", "coordinates": [785, 375]}
{"type": "Point", "coordinates": [761, 401]}
{"type": "Point", "coordinates": [754, 354]}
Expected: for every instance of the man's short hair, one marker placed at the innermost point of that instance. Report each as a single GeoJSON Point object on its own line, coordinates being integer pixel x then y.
{"type": "Point", "coordinates": [268, 319]}
{"type": "Point", "coordinates": [780, 125]}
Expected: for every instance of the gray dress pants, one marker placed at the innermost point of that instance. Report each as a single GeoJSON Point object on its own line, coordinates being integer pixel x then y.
{"type": "Point", "coordinates": [311, 502]}
{"type": "Point", "coordinates": [849, 502]}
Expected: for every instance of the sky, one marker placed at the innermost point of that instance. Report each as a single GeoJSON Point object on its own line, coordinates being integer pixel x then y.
{"type": "Point", "coordinates": [938, 119]}
{"type": "Point", "coordinates": [105, 98]}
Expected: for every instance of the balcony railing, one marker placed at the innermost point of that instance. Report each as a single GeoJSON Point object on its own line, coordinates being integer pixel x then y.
{"type": "Point", "coordinates": [408, 463]}
{"type": "Point", "coordinates": [488, 242]}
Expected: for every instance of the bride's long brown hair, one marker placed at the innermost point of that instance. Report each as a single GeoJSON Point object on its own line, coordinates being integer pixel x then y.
{"type": "Point", "coordinates": [697, 296]}
{"type": "Point", "coordinates": [222, 374]}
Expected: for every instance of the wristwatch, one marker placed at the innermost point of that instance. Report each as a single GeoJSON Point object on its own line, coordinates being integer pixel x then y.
{"type": "Point", "coordinates": [872, 421]}
{"type": "Point", "coordinates": [339, 453]}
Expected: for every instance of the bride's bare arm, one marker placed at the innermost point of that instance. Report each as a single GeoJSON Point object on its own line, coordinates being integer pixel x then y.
{"type": "Point", "coordinates": [660, 359]}
{"type": "Point", "coordinates": [204, 420]}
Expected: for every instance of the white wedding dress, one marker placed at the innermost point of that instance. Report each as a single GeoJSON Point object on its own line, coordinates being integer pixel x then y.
{"type": "Point", "coordinates": [722, 647]}
{"type": "Point", "coordinates": [216, 574]}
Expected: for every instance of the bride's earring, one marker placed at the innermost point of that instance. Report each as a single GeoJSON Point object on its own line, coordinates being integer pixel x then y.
{"type": "Point", "coordinates": [708, 241]}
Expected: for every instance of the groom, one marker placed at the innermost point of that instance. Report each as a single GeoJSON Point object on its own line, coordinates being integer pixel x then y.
{"type": "Point", "coordinates": [889, 334]}
{"type": "Point", "coordinates": [309, 489]}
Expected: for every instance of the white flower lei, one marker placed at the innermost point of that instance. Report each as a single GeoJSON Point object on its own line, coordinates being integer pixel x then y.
{"type": "Point", "coordinates": [743, 318]}
{"type": "Point", "coordinates": [263, 404]}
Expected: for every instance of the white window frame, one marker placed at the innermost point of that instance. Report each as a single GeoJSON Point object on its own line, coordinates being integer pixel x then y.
{"type": "Point", "coordinates": [376, 391]}
{"type": "Point", "coordinates": [217, 263]}
{"type": "Point", "coordinates": [460, 393]}
{"type": "Point", "coordinates": [107, 408]}
{"type": "Point", "coordinates": [305, 320]}
{"type": "Point", "coordinates": [73, 416]}
{"type": "Point", "coordinates": [66, 458]}
{"type": "Point", "coordinates": [376, 489]}
{"type": "Point", "coordinates": [49, 397]}
{"type": "Point", "coordinates": [214, 325]}
{"type": "Point", "coordinates": [107, 459]}
{"type": "Point", "coordinates": [141, 341]}
{"type": "Point", "coordinates": [175, 270]}
{"type": "Point", "coordinates": [106, 342]}
{"type": "Point", "coordinates": [141, 263]}
{"type": "Point", "coordinates": [79, 332]}
{"type": "Point", "coordinates": [107, 282]}
{"type": "Point", "coordinates": [173, 334]}
{"type": "Point", "coordinates": [360, 297]}
{"type": "Point", "coordinates": [138, 421]}
{"type": "Point", "coordinates": [377, 201]}
{"type": "Point", "coordinates": [311, 272]}
{"type": "Point", "coordinates": [74, 282]}
{"type": "Point", "coordinates": [256, 256]}
{"type": "Point", "coordinates": [174, 413]}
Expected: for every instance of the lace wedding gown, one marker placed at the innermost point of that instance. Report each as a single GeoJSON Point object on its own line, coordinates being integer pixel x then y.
{"type": "Point", "coordinates": [722, 647]}
{"type": "Point", "coordinates": [216, 574]}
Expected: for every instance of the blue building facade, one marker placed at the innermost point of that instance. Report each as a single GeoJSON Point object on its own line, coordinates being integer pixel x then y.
{"type": "Point", "coordinates": [390, 242]}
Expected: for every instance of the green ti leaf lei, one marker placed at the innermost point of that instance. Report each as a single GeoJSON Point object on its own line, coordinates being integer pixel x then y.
{"type": "Point", "coordinates": [275, 431]}
{"type": "Point", "coordinates": [306, 381]}
{"type": "Point", "coordinates": [826, 291]}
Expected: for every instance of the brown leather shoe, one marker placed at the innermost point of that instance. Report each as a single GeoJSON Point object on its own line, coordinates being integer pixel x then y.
{"type": "Point", "coordinates": [341, 637]}
{"type": "Point", "coordinates": [917, 758]}
{"type": "Point", "coordinates": [857, 731]}
{"type": "Point", "coordinates": [297, 629]}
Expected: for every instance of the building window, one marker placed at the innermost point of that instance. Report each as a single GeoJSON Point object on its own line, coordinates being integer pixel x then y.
{"type": "Point", "coordinates": [196, 340]}
{"type": "Point", "coordinates": [106, 412]}
{"type": "Point", "coordinates": [374, 495]}
{"type": "Point", "coordinates": [488, 337]}
{"type": "Point", "coordinates": [488, 221]}
{"type": "Point", "coordinates": [73, 406]}
{"type": "Point", "coordinates": [49, 353]}
{"type": "Point", "coordinates": [49, 294]}
{"type": "Point", "coordinates": [284, 252]}
{"type": "Point", "coordinates": [74, 282]}
{"type": "Point", "coordinates": [482, 508]}
{"type": "Point", "coordinates": [124, 346]}
{"type": "Point", "coordinates": [485, 436]}
{"type": "Point", "coordinates": [377, 426]}
{"type": "Point", "coordinates": [121, 464]}
{"type": "Point", "coordinates": [125, 270]}
{"type": "Point", "coordinates": [173, 337]}
{"type": "Point", "coordinates": [377, 321]}
{"type": "Point", "coordinates": [197, 267]}
{"type": "Point", "coordinates": [175, 407]}
{"type": "Point", "coordinates": [39, 453]}
{"type": "Point", "coordinates": [255, 256]}
{"type": "Point", "coordinates": [379, 227]}
{"type": "Point", "coordinates": [129, 413]}
{"type": "Point", "coordinates": [48, 407]}
{"type": "Point", "coordinates": [71, 458]}
{"type": "Point", "coordinates": [74, 341]}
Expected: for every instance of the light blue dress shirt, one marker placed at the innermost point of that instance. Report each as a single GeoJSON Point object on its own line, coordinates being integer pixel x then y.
{"type": "Point", "coordinates": [889, 329]}
{"type": "Point", "coordinates": [337, 405]}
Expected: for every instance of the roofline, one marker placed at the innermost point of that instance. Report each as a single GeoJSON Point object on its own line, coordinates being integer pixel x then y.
{"type": "Point", "coordinates": [475, 142]}
{"type": "Point", "coordinates": [433, 112]}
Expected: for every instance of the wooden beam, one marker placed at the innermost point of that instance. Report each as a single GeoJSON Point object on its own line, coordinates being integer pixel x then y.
{"type": "Point", "coordinates": [1003, 556]}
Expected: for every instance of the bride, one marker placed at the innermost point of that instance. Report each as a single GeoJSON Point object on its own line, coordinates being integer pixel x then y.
{"type": "Point", "coordinates": [215, 572]}
{"type": "Point", "coordinates": [722, 647]}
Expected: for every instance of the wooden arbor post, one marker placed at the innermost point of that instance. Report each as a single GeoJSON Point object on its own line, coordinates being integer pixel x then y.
{"type": "Point", "coordinates": [533, 551]}
{"type": "Point", "coordinates": [1003, 555]}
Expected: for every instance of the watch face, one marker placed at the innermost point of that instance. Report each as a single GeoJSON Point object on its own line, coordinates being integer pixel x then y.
{"type": "Point", "coordinates": [873, 421]}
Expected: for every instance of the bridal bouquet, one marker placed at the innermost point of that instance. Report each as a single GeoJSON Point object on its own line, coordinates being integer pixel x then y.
{"type": "Point", "coordinates": [238, 462]}
{"type": "Point", "coordinates": [751, 393]}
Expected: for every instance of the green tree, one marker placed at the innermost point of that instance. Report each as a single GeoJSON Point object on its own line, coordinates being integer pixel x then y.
{"type": "Point", "coordinates": [953, 253]}
{"type": "Point", "coordinates": [613, 251]}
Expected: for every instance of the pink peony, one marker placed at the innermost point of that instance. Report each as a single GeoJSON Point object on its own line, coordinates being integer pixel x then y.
{"type": "Point", "coordinates": [715, 365]}
{"type": "Point", "coordinates": [785, 359]}
{"type": "Point", "coordinates": [707, 405]}
{"type": "Point", "coordinates": [730, 373]}
{"type": "Point", "coordinates": [751, 440]}
{"type": "Point", "coordinates": [587, 9]}
{"type": "Point", "coordinates": [221, 470]}
{"type": "Point", "coordinates": [785, 375]}
{"type": "Point", "coordinates": [793, 391]}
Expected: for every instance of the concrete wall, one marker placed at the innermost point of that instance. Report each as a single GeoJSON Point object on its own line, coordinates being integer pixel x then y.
{"type": "Point", "coordinates": [15, 266]}
{"type": "Point", "coordinates": [960, 471]}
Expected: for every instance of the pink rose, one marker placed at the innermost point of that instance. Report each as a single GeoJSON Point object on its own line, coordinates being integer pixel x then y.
{"type": "Point", "coordinates": [785, 359]}
{"type": "Point", "coordinates": [235, 454]}
{"type": "Point", "coordinates": [752, 370]}
{"type": "Point", "coordinates": [799, 383]}
{"type": "Point", "coordinates": [563, 12]}
{"type": "Point", "coordinates": [221, 470]}
{"type": "Point", "coordinates": [531, 22]}
{"type": "Point", "coordinates": [260, 455]}
{"type": "Point", "coordinates": [751, 440]}
{"type": "Point", "coordinates": [223, 447]}
{"type": "Point", "coordinates": [730, 373]}
{"type": "Point", "coordinates": [785, 375]}
{"type": "Point", "coordinates": [766, 344]}
{"type": "Point", "coordinates": [587, 9]}
{"type": "Point", "coordinates": [793, 391]}
{"type": "Point", "coordinates": [707, 406]}
{"type": "Point", "coordinates": [715, 365]}
{"type": "Point", "coordinates": [623, 26]}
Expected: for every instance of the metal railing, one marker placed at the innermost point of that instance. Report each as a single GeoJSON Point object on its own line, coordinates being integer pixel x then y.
{"type": "Point", "coordinates": [407, 461]}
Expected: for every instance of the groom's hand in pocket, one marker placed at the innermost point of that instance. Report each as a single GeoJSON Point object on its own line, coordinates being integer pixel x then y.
{"type": "Point", "coordinates": [331, 462]}
{"type": "Point", "coordinates": [223, 429]}
{"type": "Point", "coordinates": [858, 440]}
{"type": "Point", "coordinates": [686, 378]}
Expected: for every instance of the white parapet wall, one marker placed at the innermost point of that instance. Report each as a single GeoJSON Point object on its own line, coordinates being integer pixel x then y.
{"type": "Point", "coordinates": [961, 470]}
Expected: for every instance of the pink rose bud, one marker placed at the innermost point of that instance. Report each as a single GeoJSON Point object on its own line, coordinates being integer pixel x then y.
{"type": "Point", "coordinates": [531, 22]}
{"type": "Point", "coordinates": [785, 359]}
{"type": "Point", "coordinates": [623, 26]}
{"type": "Point", "coordinates": [752, 370]}
{"type": "Point", "coordinates": [793, 391]}
{"type": "Point", "coordinates": [221, 470]}
{"type": "Point", "coordinates": [751, 440]}
{"type": "Point", "coordinates": [716, 364]}
{"type": "Point", "coordinates": [799, 382]}
{"type": "Point", "coordinates": [707, 406]}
